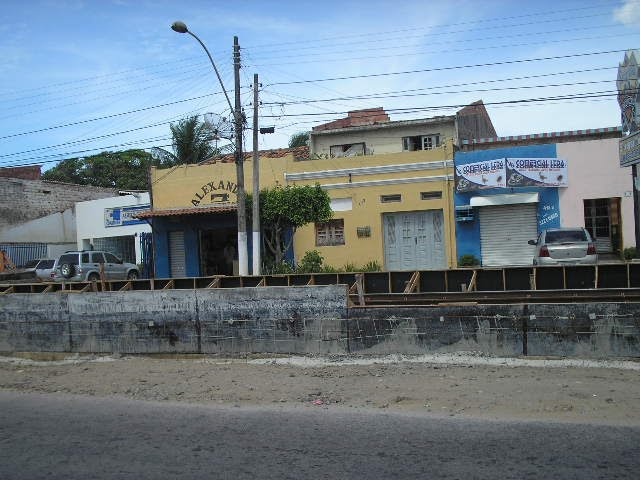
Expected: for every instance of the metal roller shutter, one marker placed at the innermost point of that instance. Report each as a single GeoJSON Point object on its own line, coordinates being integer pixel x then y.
{"type": "Point", "coordinates": [176, 254]}
{"type": "Point", "coordinates": [504, 233]}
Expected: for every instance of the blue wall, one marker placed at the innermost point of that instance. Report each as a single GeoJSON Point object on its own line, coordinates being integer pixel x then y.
{"type": "Point", "coordinates": [190, 225]}
{"type": "Point", "coordinates": [468, 233]}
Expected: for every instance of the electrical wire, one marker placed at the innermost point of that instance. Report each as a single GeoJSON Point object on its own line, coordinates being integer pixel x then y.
{"type": "Point", "coordinates": [453, 67]}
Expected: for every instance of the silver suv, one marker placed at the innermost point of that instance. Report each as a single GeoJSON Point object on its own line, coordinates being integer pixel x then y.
{"type": "Point", "coordinates": [82, 266]}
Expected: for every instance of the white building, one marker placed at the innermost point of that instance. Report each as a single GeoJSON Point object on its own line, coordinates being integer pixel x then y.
{"type": "Point", "coordinates": [109, 224]}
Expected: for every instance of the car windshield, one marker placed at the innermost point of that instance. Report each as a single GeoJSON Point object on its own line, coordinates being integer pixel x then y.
{"type": "Point", "coordinates": [46, 264]}
{"type": "Point", "coordinates": [31, 263]}
{"type": "Point", "coordinates": [565, 236]}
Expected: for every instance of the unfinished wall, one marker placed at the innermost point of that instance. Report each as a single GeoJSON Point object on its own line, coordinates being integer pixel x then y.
{"type": "Point", "coordinates": [306, 320]}
{"type": "Point", "coordinates": [23, 200]}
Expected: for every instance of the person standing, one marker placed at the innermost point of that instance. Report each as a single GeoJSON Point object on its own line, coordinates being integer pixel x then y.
{"type": "Point", "coordinates": [5, 262]}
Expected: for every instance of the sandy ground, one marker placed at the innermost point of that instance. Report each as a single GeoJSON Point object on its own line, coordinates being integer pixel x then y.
{"type": "Point", "coordinates": [455, 385]}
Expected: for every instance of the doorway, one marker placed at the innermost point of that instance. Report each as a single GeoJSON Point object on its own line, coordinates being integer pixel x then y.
{"type": "Point", "coordinates": [218, 254]}
{"type": "Point", "coordinates": [602, 220]}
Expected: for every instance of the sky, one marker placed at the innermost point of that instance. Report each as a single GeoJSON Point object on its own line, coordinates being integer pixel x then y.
{"type": "Point", "coordinates": [84, 76]}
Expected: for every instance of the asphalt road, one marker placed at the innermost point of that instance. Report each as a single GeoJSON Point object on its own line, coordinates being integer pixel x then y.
{"type": "Point", "coordinates": [73, 437]}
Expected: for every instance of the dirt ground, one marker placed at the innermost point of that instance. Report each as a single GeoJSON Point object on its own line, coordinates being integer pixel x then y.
{"type": "Point", "coordinates": [556, 390]}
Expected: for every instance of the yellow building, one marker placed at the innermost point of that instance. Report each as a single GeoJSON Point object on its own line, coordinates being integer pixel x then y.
{"type": "Point", "coordinates": [395, 209]}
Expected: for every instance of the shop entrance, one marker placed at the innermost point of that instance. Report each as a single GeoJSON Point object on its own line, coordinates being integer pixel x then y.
{"type": "Point", "coordinates": [218, 252]}
{"type": "Point", "coordinates": [602, 220]}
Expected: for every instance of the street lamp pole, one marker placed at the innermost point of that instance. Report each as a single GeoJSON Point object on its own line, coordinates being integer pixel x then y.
{"type": "Point", "coordinates": [243, 260]}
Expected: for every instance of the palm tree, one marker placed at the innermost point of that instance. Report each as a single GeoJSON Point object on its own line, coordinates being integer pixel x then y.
{"type": "Point", "coordinates": [193, 142]}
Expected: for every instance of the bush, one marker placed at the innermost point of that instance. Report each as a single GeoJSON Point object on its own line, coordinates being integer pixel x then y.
{"type": "Point", "coordinates": [311, 262]}
{"type": "Point", "coordinates": [630, 253]}
{"type": "Point", "coordinates": [277, 269]}
{"type": "Point", "coordinates": [468, 260]}
{"type": "Point", "coordinates": [371, 266]}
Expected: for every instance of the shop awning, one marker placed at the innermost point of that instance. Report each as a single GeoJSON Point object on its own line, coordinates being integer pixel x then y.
{"type": "Point", "coordinates": [227, 208]}
{"type": "Point", "coordinates": [506, 199]}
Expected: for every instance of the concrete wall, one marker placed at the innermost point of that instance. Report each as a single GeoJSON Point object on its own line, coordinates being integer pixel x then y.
{"type": "Point", "coordinates": [585, 330]}
{"type": "Point", "coordinates": [230, 321]}
{"type": "Point", "coordinates": [595, 172]}
{"type": "Point", "coordinates": [55, 228]}
{"type": "Point", "coordinates": [24, 200]}
{"type": "Point", "coordinates": [306, 320]}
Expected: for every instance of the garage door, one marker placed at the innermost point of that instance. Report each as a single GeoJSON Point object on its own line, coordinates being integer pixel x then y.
{"type": "Point", "coordinates": [504, 233]}
{"type": "Point", "coordinates": [414, 240]}
{"type": "Point", "coordinates": [176, 254]}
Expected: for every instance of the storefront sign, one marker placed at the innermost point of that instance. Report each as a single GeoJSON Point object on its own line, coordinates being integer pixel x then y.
{"type": "Point", "coordinates": [216, 191]}
{"type": "Point", "coordinates": [122, 216]}
{"type": "Point", "coordinates": [536, 172]}
{"type": "Point", "coordinates": [630, 150]}
{"type": "Point", "coordinates": [479, 175]}
{"type": "Point", "coordinates": [628, 93]}
{"type": "Point", "coordinates": [511, 172]}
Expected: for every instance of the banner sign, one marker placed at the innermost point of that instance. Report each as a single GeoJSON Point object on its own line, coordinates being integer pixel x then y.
{"type": "Point", "coordinates": [511, 173]}
{"type": "Point", "coordinates": [479, 175]}
{"type": "Point", "coordinates": [630, 150]}
{"type": "Point", "coordinates": [122, 216]}
{"type": "Point", "coordinates": [536, 172]}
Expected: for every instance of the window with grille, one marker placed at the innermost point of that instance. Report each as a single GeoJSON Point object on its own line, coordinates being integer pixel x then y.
{"type": "Point", "coordinates": [396, 197]}
{"type": "Point", "coordinates": [430, 195]}
{"type": "Point", "coordinates": [330, 233]}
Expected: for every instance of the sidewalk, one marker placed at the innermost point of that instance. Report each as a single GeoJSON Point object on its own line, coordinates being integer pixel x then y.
{"type": "Point", "coordinates": [585, 391]}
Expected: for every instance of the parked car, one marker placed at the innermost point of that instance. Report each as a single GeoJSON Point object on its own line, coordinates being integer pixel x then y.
{"type": "Point", "coordinates": [42, 268]}
{"type": "Point", "coordinates": [82, 266]}
{"type": "Point", "coordinates": [562, 246]}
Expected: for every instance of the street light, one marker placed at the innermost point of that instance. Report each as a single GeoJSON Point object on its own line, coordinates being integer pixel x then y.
{"type": "Point", "coordinates": [243, 260]}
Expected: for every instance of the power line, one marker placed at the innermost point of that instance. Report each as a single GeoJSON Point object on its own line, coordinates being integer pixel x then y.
{"type": "Point", "coordinates": [441, 34]}
{"type": "Point", "coordinates": [479, 82]}
{"type": "Point", "coordinates": [68, 155]}
{"type": "Point", "coordinates": [453, 50]}
{"type": "Point", "coordinates": [109, 116]}
{"type": "Point", "coordinates": [425, 27]}
{"type": "Point", "coordinates": [452, 67]}
{"type": "Point", "coordinates": [598, 94]}
{"type": "Point", "coordinates": [400, 94]}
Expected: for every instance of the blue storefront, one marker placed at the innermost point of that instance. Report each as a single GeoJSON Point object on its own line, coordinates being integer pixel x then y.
{"type": "Point", "coordinates": [503, 198]}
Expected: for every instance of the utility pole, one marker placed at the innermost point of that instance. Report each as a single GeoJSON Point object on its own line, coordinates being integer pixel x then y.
{"type": "Point", "coordinates": [243, 260]}
{"type": "Point", "coordinates": [256, 240]}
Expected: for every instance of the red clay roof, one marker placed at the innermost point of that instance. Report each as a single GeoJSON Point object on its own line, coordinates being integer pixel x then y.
{"type": "Point", "coordinates": [296, 152]}
{"type": "Point", "coordinates": [188, 211]}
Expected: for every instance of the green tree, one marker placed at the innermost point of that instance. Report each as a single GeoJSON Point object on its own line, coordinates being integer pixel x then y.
{"type": "Point", "coordinates": [300, 139]}
{"type": "Point", "coordinates": [284, 209]}
{"type": "Point", "coordinates": [125, 170]}
{"type": "Point", "coordinates": [193, 141]}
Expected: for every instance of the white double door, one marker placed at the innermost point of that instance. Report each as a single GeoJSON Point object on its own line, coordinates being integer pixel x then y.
{"type": "Point", "coordinates": [414, 240]}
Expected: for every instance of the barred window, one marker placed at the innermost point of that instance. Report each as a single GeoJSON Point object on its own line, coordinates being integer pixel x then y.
{"type": "Point", "coordinates": [330, 233]}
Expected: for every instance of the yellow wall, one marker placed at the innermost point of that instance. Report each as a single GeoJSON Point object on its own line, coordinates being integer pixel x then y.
{"type": "Point", "coordinates": [192, 185]}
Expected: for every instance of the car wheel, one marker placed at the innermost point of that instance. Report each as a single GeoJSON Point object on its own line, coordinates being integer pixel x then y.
{"type": "Point", "coordinates": [67, 270]}
{"type": "Point", "coordinates": [93, 277]}
{"type": "Point", "coordinates": [133, 275]}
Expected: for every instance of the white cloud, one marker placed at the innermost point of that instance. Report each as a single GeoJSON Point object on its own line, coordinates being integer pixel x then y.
{"type": "Point", "coordinates": [629, 13]}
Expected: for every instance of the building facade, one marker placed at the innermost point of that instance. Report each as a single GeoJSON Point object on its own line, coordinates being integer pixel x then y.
{"type": "Point", "coordinates": [371, 132]}
{"type": "Point", "coordinates": [394, 209]}
{"type": "Point", "coordinates": [110, 224]}
{"type": "Point", "coordinates": [509, 189]}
